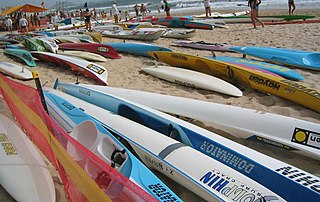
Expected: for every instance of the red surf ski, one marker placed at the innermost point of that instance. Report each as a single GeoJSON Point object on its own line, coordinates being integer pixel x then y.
{"type": "Point", "coordinates": [101, 49]}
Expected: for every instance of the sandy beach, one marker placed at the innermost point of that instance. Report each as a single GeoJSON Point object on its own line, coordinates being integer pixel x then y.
{"type": "Point", "coordinates": [126, 73]}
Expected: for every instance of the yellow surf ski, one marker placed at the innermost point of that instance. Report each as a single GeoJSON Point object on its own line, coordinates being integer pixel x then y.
{"type": "Point", "coordinates": [290, 90]}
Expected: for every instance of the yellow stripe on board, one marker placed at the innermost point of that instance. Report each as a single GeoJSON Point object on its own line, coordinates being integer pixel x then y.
{"type": "Point", "coordinates": [81, 179]}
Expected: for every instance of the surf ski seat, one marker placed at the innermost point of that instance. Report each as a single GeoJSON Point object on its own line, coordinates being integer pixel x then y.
{"type": "Point", "coordinates": [86, 134]}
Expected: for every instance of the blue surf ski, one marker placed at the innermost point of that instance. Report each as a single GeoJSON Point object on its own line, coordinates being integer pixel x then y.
{"type": "Point", "coordinates": [140, 49]}
{"type": "Point", "coordinates": [109, 148]}
{"type": "Point", "coordinates": [277, 69]}
{"type": "Point", "coordinates": [291, 57]}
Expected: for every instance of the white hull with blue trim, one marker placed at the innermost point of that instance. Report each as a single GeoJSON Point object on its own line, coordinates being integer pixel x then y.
{"type": "Point", "coordinates": [204, 176]}
{"type": "Point", "coordinates": [271, 173]}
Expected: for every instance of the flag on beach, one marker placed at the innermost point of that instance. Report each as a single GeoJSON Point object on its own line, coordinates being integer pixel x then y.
{"type": "Point", "coordinates": [85, 5]}
{"type": "Point", "coordinates": [42, 4]}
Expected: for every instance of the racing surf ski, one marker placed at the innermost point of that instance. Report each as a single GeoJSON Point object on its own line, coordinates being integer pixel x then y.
{"type": "Point", "coordinates": [271, 173]}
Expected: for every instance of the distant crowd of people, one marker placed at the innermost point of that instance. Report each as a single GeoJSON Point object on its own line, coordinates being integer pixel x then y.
{"type": "Point", "coordinates": [20, 21]}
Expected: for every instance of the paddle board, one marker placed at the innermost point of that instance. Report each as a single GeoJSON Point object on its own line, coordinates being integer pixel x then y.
{"type": "Point", "coordinates": [15, 71]}
{"type": "Point", "coordinates": [296, 58]}
{"type": "Point", "coordinates": [101, 49]}
{"type": "Point", "coordinates": [97, 139]}
{"type": "Point", "coordinates": [134, 48]}
{"type": "Point", "coordinates": [293, 22]}
{"type": "Point", "coordinates": [271, 173]}
{"type": "Point", "coordinates": [237, 75]}
{"type": "Point", "coordinates": [92, 70]}
{"type": "Point", "coordinates": [168, 157]}
{"type": "Point", "coordinates": [193, 79]}
{"type": "Point", "coordinates": [248, 124]}
{"type": "Point", "coordinates": [23, 172]}
{"type": "Point", "coordinates": [202, 45]}
{"type": "Point", "coordinates": [21, 54]}
{"type": "Point", "coordinates": [84, 55]}
{"type": "Point", "coordinates": [277, 69]}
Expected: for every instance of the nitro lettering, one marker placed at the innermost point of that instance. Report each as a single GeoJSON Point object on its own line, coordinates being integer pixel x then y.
{"type": "Point", "coordinates": [305, 180]}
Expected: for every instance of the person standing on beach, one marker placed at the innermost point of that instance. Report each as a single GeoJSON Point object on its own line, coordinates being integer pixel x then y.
{"type": "Point", "coordinates": [87, 20]}
{"type": "Point", "coordinates": [136, 9]}
{"type": "Point", "coordinates": [115, 12]}
{"type": "Point", "coordinates": [254, 5]}
{"type": "Point", "coordinates": [8, 23]}
{"type": "Point", "coordinates": [207, 7]}
{"type": "Point", "coordinates": [23, 24]}
{"type": "Point", "coordinates": [292, 6]}
{"type": "Point", "coordinates": [166, 7]}
{"type": "Point", "coordinates": [143, 10]}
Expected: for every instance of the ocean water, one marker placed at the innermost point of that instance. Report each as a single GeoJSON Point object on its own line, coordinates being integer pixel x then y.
{"type": "Point", "coordinates": [197, 5]}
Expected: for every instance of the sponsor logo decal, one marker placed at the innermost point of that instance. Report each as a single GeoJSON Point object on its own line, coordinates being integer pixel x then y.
{"type": "Point", "coordinates": [161, 192]}
{"type": "Point", "coordinates": [103, 49]}
{"type": "Point", "coordinates": [68, 106]}
{"type": "Point", "coordinates": [310, 91]}
{"type": "Point", "coordinates": [27, 57]}
{"type": "Point", "coordinates": [178, 56]}
{"type": "Point", "coordinates": [278, 59]}
{"type": "Point", "coordinates": [306, 137]}
{"type": "Point", "coordinates": [184, 83]}
{"type": "Point", "coordinates": [228, 158]}
{"type": "Point", "coordinates": [7, 146]}
{"type": "Point", "coordinates": [158, 164]}
{"type": "Point", "coordinates": [84, 92]}
{"type": "Point", "coordinates": [231, 188]}
{"type": "Point", "coordinates": [95, 68]}
{"type": "Point", "coordinates": [300, 177]}
{"type": "Point", "coordinates": [265, 82]}
{"type": "Point", "coordinates": [278, 144]}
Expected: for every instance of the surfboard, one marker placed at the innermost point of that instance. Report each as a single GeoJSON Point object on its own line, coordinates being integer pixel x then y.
{"type": "Point", "coordinates": [134, 48]}
{"type": "Point", "coordinates": [92, 70]}
{"type": "Point", "coordinates": [179, 34]}
{"type": "Point", "coordinates": [260, 168]}
{"type": "Point", "coordinates": [217, 23]}
{"type": "Point", "coordinates": [49, 46]}
{"type": "Point", "coordinates": [248, 124]}
{"type": "Point", "coordinates": [84, 55]}
{"type": "Point", "coordinates": [293, 22]}
{"type": "Point", "coordinates": [193, 79]}
{"type": "Point", "coordinates": [277, 69]}
{"type": "Point", "coordinates": [32, 44]}
{"type": "Point", "coordinates": [237, 75]}
{"type": "Point", "coordinates": [202, 45]}
{"type": "Point", "coordinates": [23, 172]}
{"type": "Point", "coordinates": [291, 57]}
{"type": "Point", "coordinates": [103, 144]}
{"type": "Point", "coordinates": [182, 23]}
{"type": "Point", "coordinates": [224, 15]}
{"type": "Point", "coordinates": [15, 71]}
{"type": "Point", "coordinates": [21, 54]}
{"type": "Point", "coordinates": [142, 34]}
{"type": "Point", "coordinates": [101, 49]}
{"type": "Point", "coordinates": [168, 156]}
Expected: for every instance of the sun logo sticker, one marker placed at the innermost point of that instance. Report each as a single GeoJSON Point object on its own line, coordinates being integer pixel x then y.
{"type": "Point", "coordinates": [306, 137]}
